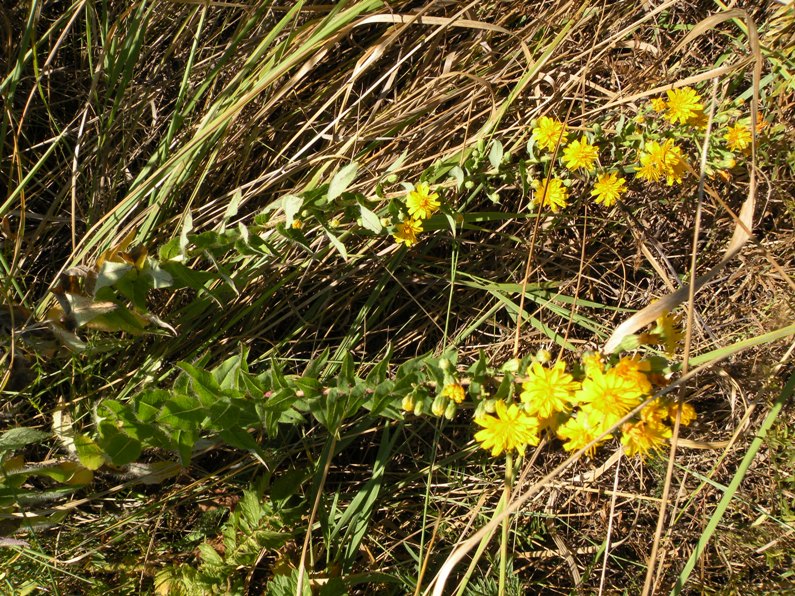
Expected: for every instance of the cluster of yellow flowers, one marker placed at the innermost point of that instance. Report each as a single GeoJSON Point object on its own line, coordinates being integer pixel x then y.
{"type": "Point", "coordinates": [421, 203]}
{"type": "Point", "coordinates": [657, 160]}
{"type": "Point", "coordinates": [579, 154]}
{"type": "Point", "coordinates": [584, 411]}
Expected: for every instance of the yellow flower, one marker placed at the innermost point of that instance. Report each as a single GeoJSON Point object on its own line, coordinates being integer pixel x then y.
{"type": "Point", "coordinates": [455, 392]}
{"type": "Point", "coordinates": [580, 154]}
{"type": "Point", "coordinates": [658, 104]}
{"type": "Point", "coordinates": [668, 330]}
{"type": "Point", "coordinates": [738, 137]}
{"type": "Point", "coordinates": [580, 430]}
{"type": "Point", "coordinates": [297, 224]}
{"type": "Point", "coordinates": [549, 132]}
{"type": "Point", "coordinates": [608, 188]}
{"type": "Point", "coordinates": [548, 390]}
{"type": "Point", "coordinates": [592, 361]}
{"type": "Point", "coordinates": [662, 161]}
{"type": "Point", "coordinates": [421, 202]}
{"type": "Point", "coordinates": [407, 231]}
{"type": "Point", "coordinates": [609, 394]}
{"type": "Point", "coordinates": [683, 104]}
{"type": "Point", "coordinates": [512, 428]}
{"type": "Point", "coordinates": [408, 403]}
{"type": "Point", "coordinates": [688, 412]}
{"type": "Point", "coordinates": [552, 194]}
{"type": "Point", "coordinates": [656, 412]}
{"type": "Point", "coordinates": [633, 370]}
{"type": "Point", "coordinates": [640, 438]}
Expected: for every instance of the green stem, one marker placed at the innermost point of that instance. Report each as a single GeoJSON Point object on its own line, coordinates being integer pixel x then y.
{"type": "Point", "coordinates": [506, 497]}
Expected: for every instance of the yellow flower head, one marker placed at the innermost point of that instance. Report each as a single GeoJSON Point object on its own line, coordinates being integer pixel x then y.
{"type": "Point", "coordinates": [512, 428]}
{"type": "Point", "coordinates": [551, 193]}
{"type": "Point", "coordinates": [658, 161]}
{"type": "Point", "coordinates": [656, 412]}
{"type": "Point", "coordinates": [608, 188]}
{"type": "Point", "coordinates": [669, 331]}
{"type": "Point", "coordinates": [683, 105]}
{"type": "Point", "coordinates": [421, 202]}
{"type": "Point", "coordinates": [688, 412]}
{"type": "Point", "coordinates": [658, 104]}
{"type": "Point", "coordinates": [580, 154]}
{"type": "Point", "coordinates": [609, 394]}
{"type": "Point", "coordinates": [455, 392]}
{"type": "Point", "coordinates": [633, 370]}
{"type": "Point", "coordinates": [548, 390]}
{"type": "Point", "coordinates": [581, 429]}
{"type": "Point", "coordinates": [738, 137]}
{"type": "Point", "coordinates": [641, 438]}
{"type": "Point", "coordinates": [407, 231]}
{"type": "Point", "coordinates": [549, 132]}
{"type": "Point", "coordinates": [592, 361]}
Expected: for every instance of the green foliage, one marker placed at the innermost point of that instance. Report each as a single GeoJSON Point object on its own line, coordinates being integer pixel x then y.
{"type": "Point", "coordinates": [253, 527]}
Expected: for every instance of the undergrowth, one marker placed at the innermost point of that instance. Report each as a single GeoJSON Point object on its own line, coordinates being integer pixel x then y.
{"type": "Point", "coordinates": [418, 297]}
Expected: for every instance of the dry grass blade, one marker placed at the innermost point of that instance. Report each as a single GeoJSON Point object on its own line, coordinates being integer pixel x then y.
{"type": "Point", "coordinates": [743, 228]}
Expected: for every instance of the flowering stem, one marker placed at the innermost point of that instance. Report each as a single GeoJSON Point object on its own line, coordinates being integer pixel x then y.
{"type": "Point", "coordinates": [506, 497]}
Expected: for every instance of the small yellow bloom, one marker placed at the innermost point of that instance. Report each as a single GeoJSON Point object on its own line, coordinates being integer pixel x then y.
{"type": "Point", "coordinates": [738, 137]}
{"type": "Point", "coordinates": [641, 438]}
{"type": "Point", "coordinates": [580, 154]}
{"type": "Point", "coordinates": [608, 188]}
{"type": "Point", "coordinates": [421, 202]}
{"type": "Point", "coordinates": [658, 161]}
{"type": "Point", "coordinates": [455, 392]}
{"type": "Point", "coordinates": [581, 429]}
{"type": "Point", "coordinates": [610, 394]}
{"type": "Point", "coordinates": [512, 428]}
{"type": "Point", "coordinates": [552, 194]}
{"type": "Point", "coordinates": [297, 224]}
{"type": "Point", "coordinates": [688, 412]}
{"type": "Point", "coordinates": [683, 105]}
{"type": "Point", "coordinates": [408, 403]}
{"type": "Point", "coordinates": [407, 231]}
{"type": "Point", "coordinates": [669, 331]}
{"type": "Point", "coordinates": [592, 361]}
{"type": "Point", "coordinates": [548, 390]}
{"type": "Point", "coordinates": [633, 370]}
{"type": "Point", "coordinates": [656, 412]}
{"type": "Point", "coordinates": [549, 132]}
{"type": "Point", "coordinates": [658, 104]}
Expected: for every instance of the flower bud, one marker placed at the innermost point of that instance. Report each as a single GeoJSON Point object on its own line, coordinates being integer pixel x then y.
{"type": "Point", "coordinates": [439, 405]}
{"type": "Point", "coordinates": [450, 410]}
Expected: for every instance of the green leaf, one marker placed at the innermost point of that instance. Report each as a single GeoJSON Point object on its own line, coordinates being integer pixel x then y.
{"type": "Point", "coordinates": [288, 483]}
{"type": "Point", "coordinates": [17, 438]}
{"type": "Point", "coordinates": [158, 277]}
{"type": "Point", "coordinates": [149, 404]}
{"type": "Point", "coordinates": [457, 174]}
{"type": "Point", "coordinates": [495, 154]}
{"type": "Point", "coordinates": [291, 204]}
{"type": "Point", "coordinates": [183, 412]}
{"type": "Point", "coordinates": [121, 448]}
{"type": "Point", "coordinates": [370, 220]}
{"type": "Point", "coordinates": [335, 242]}
{"type": "Point", "coordinates": [110, 273]}
{"type": "Point", "coordinates": [210, 556]}
{"type": "Point", "coordinates": [89, 453]}
{"type": "Point", "coordinates": [342, 180]}
{"type": "Point", "coordinates": [231, 208]}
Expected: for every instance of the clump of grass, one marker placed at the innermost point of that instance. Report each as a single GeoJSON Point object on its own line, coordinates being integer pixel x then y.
{"type": "Point", "coordinates": [271, 273]}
